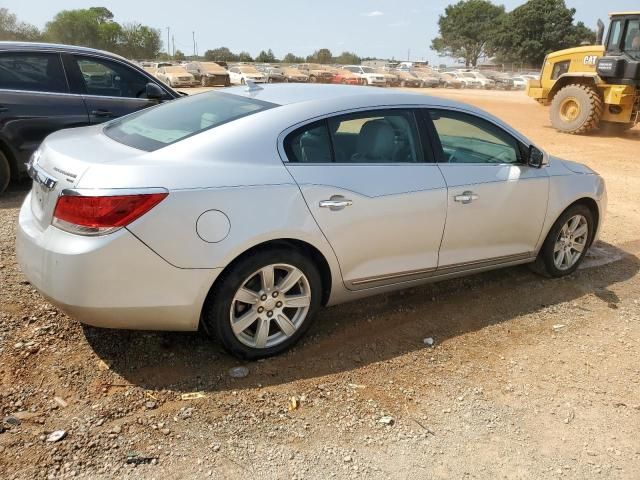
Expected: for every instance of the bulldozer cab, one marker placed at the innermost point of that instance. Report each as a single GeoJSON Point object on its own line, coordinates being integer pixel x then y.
{"type": "Point", "coordinates": [621, 60]}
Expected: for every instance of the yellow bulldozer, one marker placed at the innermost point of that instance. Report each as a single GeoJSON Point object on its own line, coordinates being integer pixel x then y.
{"type": "Point", "coordinates": [594, 87]}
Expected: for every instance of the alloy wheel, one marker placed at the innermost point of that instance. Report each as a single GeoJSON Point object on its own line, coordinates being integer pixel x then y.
{"type": "Point", "coordinates": [270, 306]}
{"type": "Point", "coordinates": [571, 242]}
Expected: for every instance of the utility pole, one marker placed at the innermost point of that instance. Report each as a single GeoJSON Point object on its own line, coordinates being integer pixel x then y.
{"type": "Point", "coordinates": [173, 39]}
{"type": "Point", "coordinates": [195, 52]}
{"type": "Point", "coordinates": [168, 44]}
{"type": "Point", "coordinates": [408, 55]}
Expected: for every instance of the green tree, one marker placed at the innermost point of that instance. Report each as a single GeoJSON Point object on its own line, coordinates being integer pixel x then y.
{"type": "Point", "coordinates": [291, 58]}
{"type": "Point", "coordinates": [179, 56]}
{"type": "Point", "coordinates": [245, 57]}
{"type": "Point", "coordinates": [322, 56]}
{"type": "Point", "coordinates": [348, 58]}
{"type": "Point", "coordinates": [139, 41]}
{"type": "Point", "coordinates": [531, 31]}
{"type": "Point", "coordinates": [466, 30]}
{"type": "Point", "coordinates": [13, 29]}
{"type": "Point", "coordinates": [222, 54]}
{"type": "Point", "coordinates": [91, 27]}
{"type": "Point", "coordinates": [266, 57]}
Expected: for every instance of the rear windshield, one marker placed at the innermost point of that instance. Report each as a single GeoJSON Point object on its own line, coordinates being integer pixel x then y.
{"type": "Point", "coordinates": [168, 123]}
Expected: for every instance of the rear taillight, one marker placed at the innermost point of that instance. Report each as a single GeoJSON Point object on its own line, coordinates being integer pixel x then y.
{"type": "Point", "coordinates": [99, 215]}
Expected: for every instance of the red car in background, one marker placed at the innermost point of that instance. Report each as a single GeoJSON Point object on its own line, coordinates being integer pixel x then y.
{"type": "Point", "coordinates": [345, 77]}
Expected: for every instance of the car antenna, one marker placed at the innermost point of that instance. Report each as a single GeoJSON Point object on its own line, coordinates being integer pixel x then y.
{"type": "Point", "coordinates": [252, 86]}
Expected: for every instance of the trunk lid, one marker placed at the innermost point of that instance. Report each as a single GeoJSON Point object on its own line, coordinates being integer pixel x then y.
{"type": "Point", "coordinates": [61, 161]}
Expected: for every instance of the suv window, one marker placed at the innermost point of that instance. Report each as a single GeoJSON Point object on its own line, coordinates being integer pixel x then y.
{"type": "Point", "coordinates": [110, 79]}
{"type": "Point", "coordinates": [632, 38]}
{"type": "Point", "coordinates": [385, 136]}
{"type": "Point", "coordinates": [37, 72]}
{"type": "Point", "coordinates": [469, 139]}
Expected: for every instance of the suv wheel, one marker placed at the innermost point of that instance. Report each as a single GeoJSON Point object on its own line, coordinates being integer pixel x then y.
{"type": "Point", "coordinates": [264, 304]}
{"type": "Point", "coordinates": [5, 172]}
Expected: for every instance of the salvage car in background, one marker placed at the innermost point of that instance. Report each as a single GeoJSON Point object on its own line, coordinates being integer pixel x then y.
{"type": "Point", "coordinates": [176, 76]}
{"type": "Point", "coordinates": [244, 211]}
{"type": "Point", "coordinates": [294, 75]}
{"type": "Point", "coordinates": [274, 74]}
{"type": "Point", "coordinates": [208, 74]}
{"type": "Point", "coordinates": [316, 73]}
{"type": "Point", "coordinates": [449, 81]}
{"type": "Point", "coordinates": [47, 87]}
{"type": "Point", "coordinates": [346, 77]}
{"type": "Point", "coordinates": [239, 74]}
{"type": "Point", "coordinates": [408, 79]}
{"type": "Point", "coordinates": [429, 78]}
{"type": "Point", "coordinates": [390, 78]}
{"type": "Point", "coordinates": [368, 75]}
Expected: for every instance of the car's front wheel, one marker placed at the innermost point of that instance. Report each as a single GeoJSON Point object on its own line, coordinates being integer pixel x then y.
{"type": "Point", "coordinates": [264, 304]}
{"type": "Point", "coordinates": [567, 242]}
{"type": "Point", "coordinates": [5, 172]}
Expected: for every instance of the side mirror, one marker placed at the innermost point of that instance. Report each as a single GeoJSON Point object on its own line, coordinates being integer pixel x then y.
{"type": "Point", "coordinates": [537, 158]}
{"type": "Point", "coordinates": [154, 92]}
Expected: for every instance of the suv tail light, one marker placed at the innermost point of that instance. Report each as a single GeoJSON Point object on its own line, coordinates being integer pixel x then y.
{"type": "Point", "coordinates": [100, 215]}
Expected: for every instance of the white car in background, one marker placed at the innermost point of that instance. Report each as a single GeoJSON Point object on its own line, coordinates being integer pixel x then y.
{"type": "Point", "coordinates": [468, 81]}
{"type": "Point", "coordinates": [368, 75]}
{"type": "Point", "coordinates": [520, 83]}
{"type": "Point", "coordinates": [485, 82]}
{"type": "Point", "coordinates": [239, 75]}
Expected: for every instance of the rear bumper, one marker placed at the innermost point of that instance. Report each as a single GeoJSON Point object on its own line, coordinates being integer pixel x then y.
{"type": "Point", "coordinates": [112, 281]}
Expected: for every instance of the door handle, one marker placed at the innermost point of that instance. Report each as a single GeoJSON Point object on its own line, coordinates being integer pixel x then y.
{"type": "Point", "coordinates": [102, 113]}
{"type": "Point", "coordinates": [466, 197]}
{"type": "Point", "coordinates": [336, 202]}
{"type": "Point", "coordinates": [4, 109]}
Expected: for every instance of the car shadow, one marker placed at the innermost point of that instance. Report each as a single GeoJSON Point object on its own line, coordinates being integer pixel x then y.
{"type": "Point", "coordinates": [349, 336]}
{"type": "Point", "coordinates": [14, 195]}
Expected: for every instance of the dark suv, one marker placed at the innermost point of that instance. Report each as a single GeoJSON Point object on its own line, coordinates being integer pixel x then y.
{"type": "Point", "coordinates": [46, 87]}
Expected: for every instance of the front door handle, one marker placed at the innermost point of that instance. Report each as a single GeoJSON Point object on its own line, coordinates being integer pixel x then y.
{"type": "Point", "coordinates": [336, 202]}
{"type": "Point", "coordinates": [466, 197]}
{"type": "Point", "coordinates": [102, 113]}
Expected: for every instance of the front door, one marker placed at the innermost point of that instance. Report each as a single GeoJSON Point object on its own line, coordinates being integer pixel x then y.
{"type": "Point", "coordinates": [496, 203]}
{"type": "Point", "coordinates": [377, 199]}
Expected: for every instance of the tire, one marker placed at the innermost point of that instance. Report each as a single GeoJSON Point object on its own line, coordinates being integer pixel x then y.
{"type": "Point", "coordinates": [242, 82]}
{"type": "Point", "coordinates": [313, 79]}
{"type": "Point", "coordinates": [545, 263]}
{"type": "Point", "coordinates": [5, 172]}
{"type": "Point", "coordinates": [203, 81]}
{"type": "Point", "coordinates": [217, 312]}
{"type": "Point", "coordinates": [403, 84]}
{"type": "Point", "coordinates": [577, 109]}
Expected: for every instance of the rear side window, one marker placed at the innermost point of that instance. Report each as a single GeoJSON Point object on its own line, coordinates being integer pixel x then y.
{"type": "Point", "coordinates": [36, 72]}
{"type": "Point", "coordinates": [560, 68]}
{"type": "Point", "coordinates": [382, 136]}
{"type": "Point", "coordinates": [168, 123]}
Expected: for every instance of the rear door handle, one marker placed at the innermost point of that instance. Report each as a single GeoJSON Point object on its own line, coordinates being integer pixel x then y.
{"type": "Point", "coordinates": [102, 113]}
{"type": "Point", "coordinates": [336, 202]}
{"type": "Point", "coordinates": [466, 197]}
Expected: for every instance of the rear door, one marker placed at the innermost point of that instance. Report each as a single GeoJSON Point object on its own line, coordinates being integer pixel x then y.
{"type": "Point", "coordinates": [110, 89]}
{"type": "Point", "coordinates": [35, 101]}
{"type": "Point", "coordinates": [374, 193]}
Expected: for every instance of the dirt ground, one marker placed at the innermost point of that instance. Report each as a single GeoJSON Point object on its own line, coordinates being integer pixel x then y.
{"type": "Point", "coordinates": [529, 378]}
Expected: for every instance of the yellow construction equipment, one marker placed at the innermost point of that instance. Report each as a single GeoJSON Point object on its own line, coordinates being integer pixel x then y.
{"type": "Point", "coordinates": [594, 87]}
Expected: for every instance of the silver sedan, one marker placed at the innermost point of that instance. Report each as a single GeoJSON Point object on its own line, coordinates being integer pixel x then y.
{"type": "Point", "coordinates": [245, 211]}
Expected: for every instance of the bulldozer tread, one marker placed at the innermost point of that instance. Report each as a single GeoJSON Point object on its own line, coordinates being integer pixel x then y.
{"type": "Point", "coordinates": [595, 106]}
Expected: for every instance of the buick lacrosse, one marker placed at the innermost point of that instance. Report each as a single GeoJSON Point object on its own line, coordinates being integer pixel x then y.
{"type": "Point", "coordinates": [245, 211]}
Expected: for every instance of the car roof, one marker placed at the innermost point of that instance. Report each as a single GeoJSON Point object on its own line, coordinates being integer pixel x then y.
{"type": "Point", "coordinates": [54, 47]}
{"type": "Point", "coordinates": [346, 96]}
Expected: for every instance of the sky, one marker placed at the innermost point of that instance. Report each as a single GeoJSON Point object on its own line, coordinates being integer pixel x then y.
{"type": "Point", "coordinates": [370, 28]}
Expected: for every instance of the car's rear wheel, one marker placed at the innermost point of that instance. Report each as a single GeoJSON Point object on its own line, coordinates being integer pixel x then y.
{"type": "Point", "coordinates": [567, 243]}
{"type": "Point", "coordinates": [264, 304]}
{"type": "Point", "coordinates": [5, 172]}
{"type": "Point", "coordinates": [203, 81]}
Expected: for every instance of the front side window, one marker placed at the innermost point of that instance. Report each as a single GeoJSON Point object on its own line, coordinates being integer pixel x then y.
{"type": "Point", "coordinates": [35, 72]}
{"type": "Point", "coordinates": [170, 122]}
{"type": "Point", "coordinates": [385, 136]}
{"type": "Point", "coordinates": [110, 79]}
{"type": "Point", "coordinates": [614, 35]}
{"type": "Point", "coordinates": [560, 68]}
{"type": "Point", "coordinates": [469, 139]}
{"type": "Point", "coordinates": [632, 38]}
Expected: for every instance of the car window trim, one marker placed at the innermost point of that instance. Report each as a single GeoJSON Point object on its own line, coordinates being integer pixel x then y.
{"type": "Point", "coordinates": [415, 109]}
{"type": "Point", "coordinates": [439, 151]}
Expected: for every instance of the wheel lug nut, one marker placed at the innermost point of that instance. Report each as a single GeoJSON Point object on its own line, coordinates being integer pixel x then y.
{"type": "Point", "coordinates": [279, 304]}
{"type": "Point", "coordinates": [269, 314]}
{"type": "Point", "coordinates": [275, 294]}
{"type": "Point", "coordinates": [260, 309]}
{"type": "Point", "coordinates": [263, 298]}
